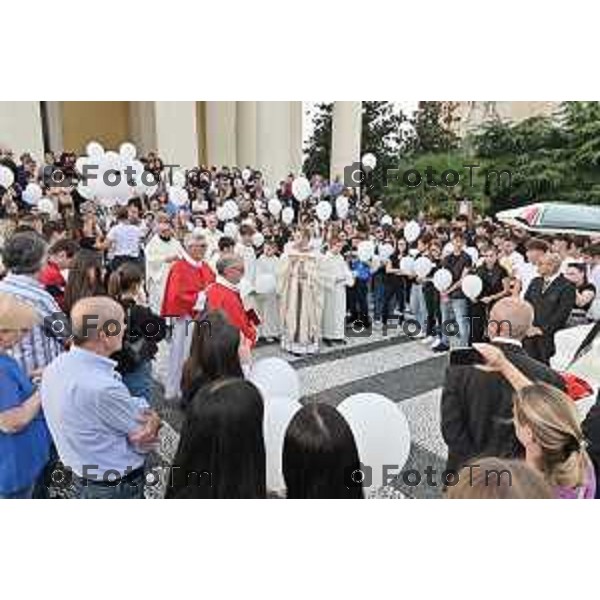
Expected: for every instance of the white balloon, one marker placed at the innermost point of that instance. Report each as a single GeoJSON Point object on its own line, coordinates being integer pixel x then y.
{"type": "Point", "coordinates": [7, 177]}
{"type": "Point", "coordinates": [301, 188]}
{"type": "Point", "coordinates": [81, 162]}
{"type": "Point", "coordinates": [230, 230]}
{"type": "Point", "coordinates": [341, 207]}
{"type": "Point", "coordinates": [287, 215]}
{"type": "Point", "coordinates": [369, 160]}
{"type": "Point", "coordinates": [386, 220]}
{"type": "Point", "coordinates": [385, 251]}
{"type": "Point", "coordinates": [279, 386]}
{"type": "Point", "coordinates": [324, 210]}
{"type": "Point", "coordinates": [32, 193]}
{"type": "Point", "coordinates": [94, 149]}
{"type": "Point", "coordinates": [423, 266]}
{"type": "Point", "coordinates": [127, 151]}
{"type": "Point", "coordinates": [365, 250]}
{"type": "Point", "coordinates": [178, 196]}
{"type": "Point", "coordinates": [442, 280]}
{"type": "Point", "coordinates": [221, 212]}
{"type": "Point", "coordinates": [407, 264]}
{"type": "Point", "coordinates": [412, 230]}
{"type": "Point", "coordinates": [246, 173]}
{"type": "Point", "coordinates": [473, 253]}
{"type": "Point", "coordinates": [258, 239]}
{"type": "Point", "coordinates": [85, 191]}
{"type": "Point", "coordinates": [472, 286]}
{"type": "Point", "coordinates": [380, 431]}
{"type": "Point", "coordinates": [274, 206]}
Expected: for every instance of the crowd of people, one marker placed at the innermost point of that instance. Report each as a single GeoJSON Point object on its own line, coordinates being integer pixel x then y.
{"type": "Point", "coordinates": [92, 293]}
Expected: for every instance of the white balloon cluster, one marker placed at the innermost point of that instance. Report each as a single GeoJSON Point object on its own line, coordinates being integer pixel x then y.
{"type": "Point", "coordinates": [32, 194]}
{"type": "Point", "coordinates": [365, 250]}
{"type": "Point", "coordinates": [301, 188]}
{"type": "Point", "coordinates": [7, 177]}
{"type": "Point", "coordinates": [111, 177]}
{"type": "Point", "coordinates": [228, 211]}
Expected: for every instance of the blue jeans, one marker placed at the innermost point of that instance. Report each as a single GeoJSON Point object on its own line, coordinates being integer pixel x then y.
{"type": "Point", "coordinates": [131, 489]}
{"type": "Point", "coordinates": [24, 494]}
{"type": "Point", "coordinates": [139, 382]}
{"type": "Point", "coordinates": [456, 309]}
{"type": "Point", "coordinates": [378, 294]}
{"type": "Point", "coordinates": [418, 306]}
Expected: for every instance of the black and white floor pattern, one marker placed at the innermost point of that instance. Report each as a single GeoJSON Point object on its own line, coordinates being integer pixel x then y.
{"type": "Point", "coordinates": [402, 368]}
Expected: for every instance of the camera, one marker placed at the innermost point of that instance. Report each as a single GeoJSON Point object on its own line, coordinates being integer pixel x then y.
{"type": "Point", "coordinates": [359, 327]}
{"type": "Point", "coordinates": [354, 175]}
{"type": "Point", "coordinates": [57, 325]}
{"type": "Point", "coordinates": [57, 177]}
{"type": "Point", "coordinates": [358, 477]}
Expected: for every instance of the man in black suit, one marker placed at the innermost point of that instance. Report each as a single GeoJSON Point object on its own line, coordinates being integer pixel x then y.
{"type": "Point", "coordinates": [477, 405]}
{"type": "Point", "coordinates": [552, 296]}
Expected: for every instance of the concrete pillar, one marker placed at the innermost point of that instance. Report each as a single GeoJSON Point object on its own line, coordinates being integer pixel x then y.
{"type": "Point", "coordinates": [345, 142]}
{"type": "Point", "coordinates": [297, 116]}
{"type": "Point", "coordinates": [142, 126]}
{"type": "Point", "coordinates": [274, 141]}
{"type": "Point", "coordinates": [53, 116]}
{"type": "Point", "coordinates": [221, 133]}
{"type": "Point", "coordinates": [176, 133]}
{"type": "Point", "coordinates": [21, 128]}
{"type": "Point", "coordinates": [246, 134]}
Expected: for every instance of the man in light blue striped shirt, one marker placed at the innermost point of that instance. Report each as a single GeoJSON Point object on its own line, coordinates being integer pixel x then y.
{"type": "Point", "coordinates": [24, 256]}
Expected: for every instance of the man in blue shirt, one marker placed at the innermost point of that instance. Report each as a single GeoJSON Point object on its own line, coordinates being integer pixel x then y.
{"type": "Point", "coordinates": [24, 437]}
{"type": "Point", "coordinates": [101, 432]}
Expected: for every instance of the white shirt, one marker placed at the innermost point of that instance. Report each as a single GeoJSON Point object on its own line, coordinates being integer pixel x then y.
{"type": "Point", "coordinates": [125, 239]}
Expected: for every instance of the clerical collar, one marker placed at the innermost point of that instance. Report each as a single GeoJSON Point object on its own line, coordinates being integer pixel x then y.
{"type": "Point", "coordinates": [165, 239]}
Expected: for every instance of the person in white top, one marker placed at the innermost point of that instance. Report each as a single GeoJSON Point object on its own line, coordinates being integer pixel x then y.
{"type": "Point", "coordinates": [265, 296]}
{"type": "Point", "coordinates": [337, 276]}
{"type": "Point", "coordinates": [124, 240]}
{"type": "Point", "coordinates": [245, 249]}
{"type": "Point", "coordinates": [212, 235]}
{"type": "Point", "coordinates": [527, 271]}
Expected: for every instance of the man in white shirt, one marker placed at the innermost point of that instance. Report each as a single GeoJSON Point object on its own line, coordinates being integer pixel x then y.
{"type": "Point", "coordinates": [124, 240]}
{"type": "Point", "coordinates": [527, 271]}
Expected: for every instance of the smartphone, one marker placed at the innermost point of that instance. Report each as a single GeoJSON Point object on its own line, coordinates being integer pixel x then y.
{"type": "Point", "coordinates": [464, 357]}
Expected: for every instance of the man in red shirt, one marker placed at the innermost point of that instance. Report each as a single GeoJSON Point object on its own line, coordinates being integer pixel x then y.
{"type": "Point", "coordinates": [224, 295]}
{"type": "Point", "coordinates": [187, 278]}
{"type": "Point", "coordinates": [60, 259]}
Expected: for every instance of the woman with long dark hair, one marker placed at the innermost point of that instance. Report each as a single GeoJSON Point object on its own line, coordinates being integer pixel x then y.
{"type": "Point", "coordinates": [319, 452]}
{"type": "Point", "coordinates": [221, 451]}
{"type": "Point", "coordinates": [144, 330]}
{"type": "Point", "coordinates": [214, 354]}
{"type": "Point", "coordinates": [86, 278]}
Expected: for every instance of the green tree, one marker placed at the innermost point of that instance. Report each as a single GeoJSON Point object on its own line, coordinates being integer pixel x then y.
{"type": "Point", "coordinates": [433, 128]}
{"type": "Point", "coordinates": [318, 147]}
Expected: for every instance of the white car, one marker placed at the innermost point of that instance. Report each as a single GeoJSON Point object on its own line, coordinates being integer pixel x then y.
{"type": "Point", "coordinates": [555, 218]}
{"type": "Point", "coordinates": [586, 366]}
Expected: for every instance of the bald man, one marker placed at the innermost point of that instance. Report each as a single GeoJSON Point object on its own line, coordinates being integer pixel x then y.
{"type": "Point", "coordinates": [553, 298]}
{"type": "Point", "coordinates": [476, 405]}
{"type": "Point", "coordinates": [101, 432]}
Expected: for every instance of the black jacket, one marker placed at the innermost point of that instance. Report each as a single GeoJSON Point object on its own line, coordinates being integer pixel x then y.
{"type": "Point", "coordinates": [552, 308]}
{"type": "Point", "coordinates": [477, 408]}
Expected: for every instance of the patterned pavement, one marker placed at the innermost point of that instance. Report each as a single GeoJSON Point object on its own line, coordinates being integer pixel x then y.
{"type": "Point", "coordinates": [403, 369]}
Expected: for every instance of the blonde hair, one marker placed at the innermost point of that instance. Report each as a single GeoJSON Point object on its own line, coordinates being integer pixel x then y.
{"type": "Point", "coordinates": [499, 479]}
{"type": "Point", "coordinates": [554, 423]}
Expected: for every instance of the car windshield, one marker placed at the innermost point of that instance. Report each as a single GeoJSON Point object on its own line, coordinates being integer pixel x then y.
{"type": "Point", "coordinates": [568, 216]}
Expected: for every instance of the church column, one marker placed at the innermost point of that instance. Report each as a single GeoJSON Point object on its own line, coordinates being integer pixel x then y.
{"type": "Point", "coordinates": [21, 128]}
{"type": "Point", "coordinates": [345, 142]}
{"type": "Point", "coordinates": [221, 133]}
{"type": "Point", "coordinates": [274, 140]}
{"type": "Point", "coordinates": [176, 133]}
{"type": "Point", "coordinates": [296, 137]}
{"type": "Point", "coordinates": [246, 134]}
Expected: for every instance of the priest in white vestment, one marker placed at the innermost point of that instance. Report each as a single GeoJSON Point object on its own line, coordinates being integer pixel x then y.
{"type": "Point", "coordinates": [336, 277]}
{"type": "Point", "coordinates": [160, 252]}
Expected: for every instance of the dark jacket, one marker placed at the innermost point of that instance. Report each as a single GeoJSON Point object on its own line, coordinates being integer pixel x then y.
{"type": "Point", "coordinates": [552, 308]}
{"type": "Point", "coordinates": [477, 408]}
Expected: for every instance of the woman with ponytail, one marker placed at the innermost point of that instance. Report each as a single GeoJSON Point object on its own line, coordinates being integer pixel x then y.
{"type": "Point", "coordinates": [547, 426]}
{"type": "Point", "coordinates": [144, 330]}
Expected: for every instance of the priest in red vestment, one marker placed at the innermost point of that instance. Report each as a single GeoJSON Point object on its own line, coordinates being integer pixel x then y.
{"type": "Point", "coordinates": [224, 295]}
{"type": "Point", "coordinates": [187, 279]}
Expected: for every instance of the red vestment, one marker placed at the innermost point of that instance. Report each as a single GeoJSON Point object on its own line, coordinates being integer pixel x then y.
{"type": "Point", "coordinates": [228, 300]}
{"type": "Point", "coordinates": [184, 282]}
